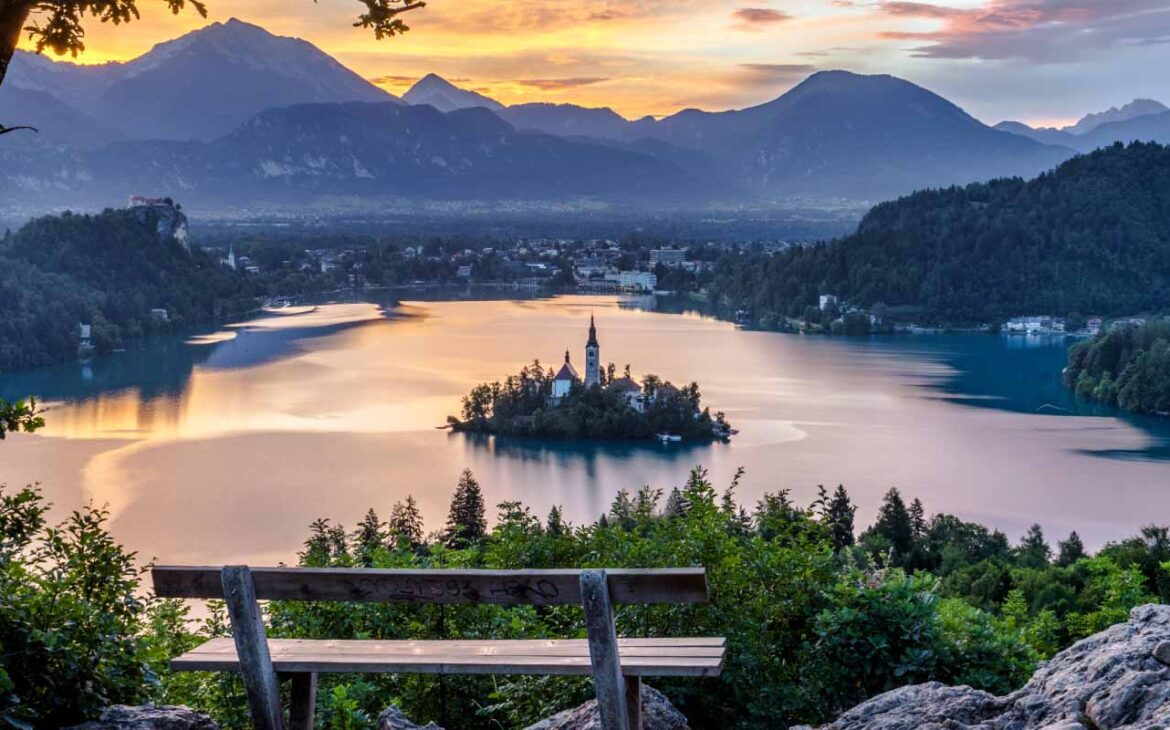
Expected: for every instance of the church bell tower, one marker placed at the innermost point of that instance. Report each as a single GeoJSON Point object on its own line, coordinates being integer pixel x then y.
{"type": "Point", "coordinates": [592, 357]}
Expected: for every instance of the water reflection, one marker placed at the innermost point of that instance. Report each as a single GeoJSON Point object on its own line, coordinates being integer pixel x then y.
{"type": "Point", "coordinates": [224, 448]}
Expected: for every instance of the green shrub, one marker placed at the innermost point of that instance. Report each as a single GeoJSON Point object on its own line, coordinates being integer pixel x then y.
{"type": "Point", "coordinates": [70, 616]}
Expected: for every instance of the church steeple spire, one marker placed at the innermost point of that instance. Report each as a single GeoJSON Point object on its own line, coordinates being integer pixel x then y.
{"type": "Point", "coordinates": [592, 356]}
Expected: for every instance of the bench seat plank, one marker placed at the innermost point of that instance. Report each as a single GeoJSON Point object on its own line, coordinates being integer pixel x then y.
{"type": "Point", "coordinates": [639, 657]}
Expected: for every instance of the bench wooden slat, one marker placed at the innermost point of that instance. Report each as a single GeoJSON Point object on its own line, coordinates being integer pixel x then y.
{"type": "Point", "coordinates": [457, 663]}
{"type": "Point", "coordinates": [508, 587]}
{"type": "Point", "coordinates": [301, 648]}
{"type": "Point", "coordinates": [225, 644]}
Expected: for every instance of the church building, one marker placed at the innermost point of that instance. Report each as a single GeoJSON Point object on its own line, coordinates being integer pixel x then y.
{"type": "Point", "coordinates": [564, 380]}
{"type": "Point", "coordinates": [567, 375]}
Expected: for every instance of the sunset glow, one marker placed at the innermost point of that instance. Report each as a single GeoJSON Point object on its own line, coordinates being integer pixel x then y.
{"type": "Point", "coordinates": [1037, 60]}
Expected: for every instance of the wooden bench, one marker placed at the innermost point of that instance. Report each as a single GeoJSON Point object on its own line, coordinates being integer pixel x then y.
{"type": "Point", "coordinates": [616, 665]}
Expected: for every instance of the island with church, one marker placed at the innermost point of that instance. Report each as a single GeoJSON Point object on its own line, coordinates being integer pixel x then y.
{"type": "Point", "coordinates": [602, 406]}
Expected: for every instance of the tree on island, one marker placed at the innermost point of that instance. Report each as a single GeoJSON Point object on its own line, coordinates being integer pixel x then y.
{"type": "Point", "coordinates": [58, 25]}
{"type": "Point", "coordinates": [466, 524]}
{"type": "Point", "coordinates": [616, 409]}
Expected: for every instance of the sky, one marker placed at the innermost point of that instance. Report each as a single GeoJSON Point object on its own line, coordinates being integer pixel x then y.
{"type": "Point", "coordinates": [1046, 62]}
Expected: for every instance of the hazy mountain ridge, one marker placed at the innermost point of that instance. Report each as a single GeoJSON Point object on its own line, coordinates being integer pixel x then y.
{"type": "Point", "coordinates": [436, 91]}
{"type": "Point", "coordinates": [199, 86]}
{"type": "Point", "coordinates": [836, 135]}
{"type": "Point", "coordinates": [1133, 110]}
{"type": "Point", "coordinates": [301, 153]}
{"type": "Point", "coordinates": [1142, 120]}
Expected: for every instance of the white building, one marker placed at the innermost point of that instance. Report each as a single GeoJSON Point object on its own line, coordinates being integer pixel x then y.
{"type": "Point", "coordinates": [563, 383]}
{"type": "Point", "coordinates": [464, 271]}
{"type": "Point", "coordinates": [828, 301]}
{"type": "Point", "coordinates": [667, 256]}
{"type": "Point", "coordinates": [632, 392]}
{"type": "Point", "coordinates": [641, 281]}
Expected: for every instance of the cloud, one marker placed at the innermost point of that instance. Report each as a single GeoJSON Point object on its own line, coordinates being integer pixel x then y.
{"type": "Point", "coordinates": [1043, 31]}
{"type": "Point", "coordinates": [772, 74]}
{"type": "Point", "coordinates": [393, 80]}
{"type": "Point", "coordinates": [753, 19]}
{"type": "Point", "coordinates": [556, 84]}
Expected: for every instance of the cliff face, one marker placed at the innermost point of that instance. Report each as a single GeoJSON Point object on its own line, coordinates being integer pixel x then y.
{"type": "Point", "coordinates": [1119, 678]}
{"type": "Point", "coordinates": [167, 218]}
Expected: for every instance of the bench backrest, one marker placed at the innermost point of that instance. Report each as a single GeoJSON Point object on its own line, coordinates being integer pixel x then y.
{"type": "Point", "coordinates": [508, 587]}
{"type": "Point", "coordinates": [596, 591]}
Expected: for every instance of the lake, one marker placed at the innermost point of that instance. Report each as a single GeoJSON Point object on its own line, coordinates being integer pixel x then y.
{"type": "Point", "coordinates": [224, 447]}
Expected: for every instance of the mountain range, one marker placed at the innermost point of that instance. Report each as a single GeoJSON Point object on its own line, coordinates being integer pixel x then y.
{"type": "Point", "coordinates": [1142, 120]}
{"type": "Point", "coordinates": [231, 115]}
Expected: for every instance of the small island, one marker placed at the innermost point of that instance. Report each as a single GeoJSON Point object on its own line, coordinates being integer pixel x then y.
{"type": "Point", "coordinates": [602, 406]}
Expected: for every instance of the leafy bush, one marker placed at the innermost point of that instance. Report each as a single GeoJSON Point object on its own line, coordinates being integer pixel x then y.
{"type": "Point", "coordinates": [70, 616]}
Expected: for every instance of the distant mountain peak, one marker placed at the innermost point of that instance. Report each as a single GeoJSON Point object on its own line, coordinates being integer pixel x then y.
{"type": "Point", "coordinates": [1133, 110]}
{"type": "Point", "coordinates": [436, 91]}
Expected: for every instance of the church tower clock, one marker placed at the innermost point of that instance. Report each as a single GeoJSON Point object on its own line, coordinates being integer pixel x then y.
{"type": "Point", "coordinates": [592, 357]}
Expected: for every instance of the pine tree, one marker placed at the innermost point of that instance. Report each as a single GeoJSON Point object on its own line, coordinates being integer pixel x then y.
{"type": "Point", "coordinates": [338, 541]}
{"type": "Point", "coordinates": [406, 525]}
{"type": "Point", "coordinates": [1033, 551]}
{"type": "Point", "coordinates": [894, 527]}
{"type": "Point", "coordinates": [316, 553]}
{"type": "Point", "coordinates": [466, 523]}
{"type": "Point", "coordinates": [839, 515]}
{"type": "Point", "coordinates": [1071, 550]}
{"type": "Point", "coordinates": [555, 524]}
{"type": "Point", "coordinates": [676, 504]}
{"type": "Point", "coordinates": [622, 511]}
{"type": "Point", "coordinates": [918, 519]}
{"type": "Point", "coordinates": [368, 539]}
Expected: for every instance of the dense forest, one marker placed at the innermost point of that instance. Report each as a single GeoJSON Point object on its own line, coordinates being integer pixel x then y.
{"type": "Point", "coordinates": [523, 405]}
{"type": "Point", "coordinates": [1128, 366]}
{"type": "Point", "coordinates": [108, 271]}
{"type": "Point", "coordinates": [818, 615]}
{"type": "Point", "coordinates": [1091, 237]}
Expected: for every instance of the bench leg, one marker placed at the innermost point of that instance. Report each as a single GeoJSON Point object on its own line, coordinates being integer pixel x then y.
{"type": "Point", "coordinates": [634, 702]}
{"type": "Point", "coordinates": [603, 651]}
{"type": "Point", "coordinates": [252, 648]}
{"type": "Point", "coordinates": [303, 707]}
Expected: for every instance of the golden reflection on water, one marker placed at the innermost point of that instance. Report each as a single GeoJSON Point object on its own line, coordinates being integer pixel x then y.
{"type": "Point", "coordinates": [250, 446]}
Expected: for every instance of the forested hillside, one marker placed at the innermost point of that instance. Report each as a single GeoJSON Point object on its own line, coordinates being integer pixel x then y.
{"type": "Point", "coordinates": [1091, 237]}
{"type": "Point", "coordinates": [109, 270]}
{"type": "Point", "coordinates": [1127, 367]}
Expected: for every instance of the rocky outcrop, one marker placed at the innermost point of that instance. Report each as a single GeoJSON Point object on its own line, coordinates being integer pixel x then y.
{"type": "Point", "coordinates": [150, 717]}
{"type": "Point", "coordinates": [657, 714]}
{"type": "Point", "coordinates": [1117, 679]}
{"type": "Point", "coordinates": [393, 719]}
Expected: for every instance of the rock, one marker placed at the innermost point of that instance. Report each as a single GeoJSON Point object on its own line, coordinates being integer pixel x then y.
{"type": "Point", "coordinates": [393, 719]}
{"type": "Point", "coordinates": [1162, 652]}
{"type": "Point", "coordinates": [657, 714]}
{"type": "Point", "coordinates": [149, 717]}
{"type": "Point", "coordinates": [1114, 680]}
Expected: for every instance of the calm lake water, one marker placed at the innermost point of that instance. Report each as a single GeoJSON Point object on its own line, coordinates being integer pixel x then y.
{"type": "Point", "coordinates": [223, 448]}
